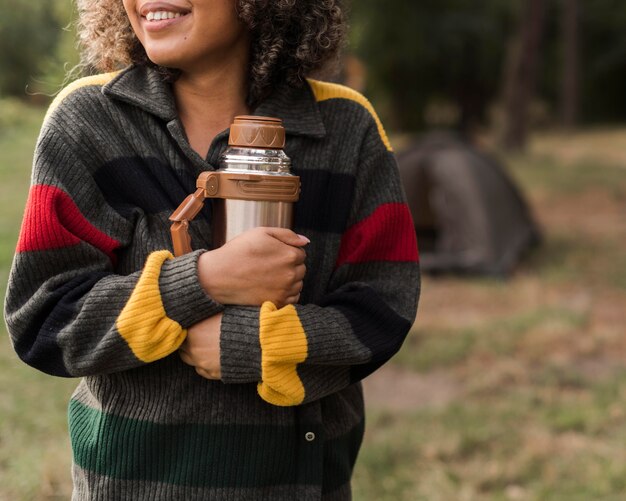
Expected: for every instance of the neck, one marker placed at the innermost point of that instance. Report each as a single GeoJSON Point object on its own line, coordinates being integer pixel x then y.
{"type": "Point", "coordinates": [208, 101]}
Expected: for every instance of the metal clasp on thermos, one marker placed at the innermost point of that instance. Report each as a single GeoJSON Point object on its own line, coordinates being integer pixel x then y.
{"type": "Point", "coordinates": [253, 186]}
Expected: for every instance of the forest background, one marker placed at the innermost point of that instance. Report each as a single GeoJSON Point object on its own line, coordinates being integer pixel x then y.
{"type": "Point", "coordinates": [505, 389]}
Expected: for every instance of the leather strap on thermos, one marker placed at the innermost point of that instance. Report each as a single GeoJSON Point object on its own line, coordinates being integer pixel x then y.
{"type": "Point", "coordinates": [232, 186]}
{"type": "Point", "coordinates": [261, 175]}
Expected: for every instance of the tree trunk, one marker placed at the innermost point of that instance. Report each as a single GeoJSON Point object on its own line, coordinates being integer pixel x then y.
{"type": "Point", "coordinates": [521, 73]}
{"type": "Point", "coordinates": [570, 75]}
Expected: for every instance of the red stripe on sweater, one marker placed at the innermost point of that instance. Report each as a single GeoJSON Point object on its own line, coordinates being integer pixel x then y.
{"type": "Point", "coordinates": [52, 221]}
{"type": "Point", "coordinates": [387, 234]}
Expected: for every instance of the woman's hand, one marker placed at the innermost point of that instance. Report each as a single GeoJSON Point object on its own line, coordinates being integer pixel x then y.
{"type": "Point", "coordinates": [262, 264]}
{"type": "Point", "coordinates": [201, 349]}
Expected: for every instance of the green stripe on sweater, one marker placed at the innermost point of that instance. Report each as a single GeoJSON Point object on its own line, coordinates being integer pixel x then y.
{"type": "Point", "coordinates": [340, 454]}
{"type": "Point", "coordinates": [193, 454]}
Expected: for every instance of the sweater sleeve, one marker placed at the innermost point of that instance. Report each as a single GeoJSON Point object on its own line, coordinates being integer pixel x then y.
{"type": "Point", "coordinates": [301, 353]}
{"type": "Point", "coordinates": [68, 313]}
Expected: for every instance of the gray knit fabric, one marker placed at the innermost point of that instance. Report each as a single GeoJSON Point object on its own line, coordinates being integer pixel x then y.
{"type": "Point", "coordinates": [95, 292]}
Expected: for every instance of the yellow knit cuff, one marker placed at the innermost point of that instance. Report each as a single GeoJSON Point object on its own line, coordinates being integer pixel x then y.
{"type": "Point", "coordinates": [283, 347]}
{"type": "Point", "coordinates": [143, 323]}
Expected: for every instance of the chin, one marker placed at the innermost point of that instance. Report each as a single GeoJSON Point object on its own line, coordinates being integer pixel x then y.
{"type": "Point", "coordinates": [166, 58]}
{"type": "Point", "coordinates": [163, 61]}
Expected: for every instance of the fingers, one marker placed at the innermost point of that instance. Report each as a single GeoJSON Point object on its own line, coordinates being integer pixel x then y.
{"type": "Point", "coordinates": [212, 375]}
{"type": "Point", "coordinates": [287, 236]}
{"type": "Point", "coordinates": [295, 291]}
{"type": "Point", "coordinates": [185, 357]}
{"type": "Point", "coordinates": [295, 287]}
{"type": "Point", "coordinates": [300, 273]}
{"type": "Point", "coordinates": [290, 300]}
{"type": "Point", "coordinates": [261, 264]}
{"type": "Point", "coordinates": [297, 256]}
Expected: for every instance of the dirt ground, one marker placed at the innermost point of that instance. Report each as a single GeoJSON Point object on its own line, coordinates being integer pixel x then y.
{"type": "Point", "coordinates": [579, 273]}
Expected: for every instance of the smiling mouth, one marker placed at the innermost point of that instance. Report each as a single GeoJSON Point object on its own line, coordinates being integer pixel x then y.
{"type": "Point", "coordinates": [161, 15]}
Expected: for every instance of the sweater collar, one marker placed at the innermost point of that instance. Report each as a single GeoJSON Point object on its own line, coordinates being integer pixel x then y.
{"type": "Point", "coordinates": [145, 88]}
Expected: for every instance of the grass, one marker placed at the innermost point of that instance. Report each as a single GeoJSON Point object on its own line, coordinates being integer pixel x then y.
{"type": "Point", "coordinates": [546, 173]}
{"type": "Point", "coordinates": [538, 405]}
{"type": "Point", "coordinates": [524, 442]}
{"type": "Point", "coordinates": [498, 337]}
{"type": "Point", "coordinates": [34, 448]}
{"type": "Point", "coordinates": [538, 361]}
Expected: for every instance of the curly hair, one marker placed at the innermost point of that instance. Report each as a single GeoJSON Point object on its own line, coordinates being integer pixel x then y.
{"type": "Point", "coordinates": [291, 39]}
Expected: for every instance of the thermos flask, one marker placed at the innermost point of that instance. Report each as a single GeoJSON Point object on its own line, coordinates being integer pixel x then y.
{"type": "Point", "coordinates": [252, 187]}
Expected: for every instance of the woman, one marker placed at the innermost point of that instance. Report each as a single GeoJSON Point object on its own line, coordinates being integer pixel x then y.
{"type": "Point", "coordinates": [228, 373]}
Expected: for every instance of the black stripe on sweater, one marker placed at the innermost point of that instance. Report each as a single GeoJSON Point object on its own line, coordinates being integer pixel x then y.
{"type": "Point", "coordinates": [340, 456]}
{"type": "Point", "coordinates": [325, 201]}
{"type": "Point", "coordinates": [374, 324]}
{"type": "Point", "coordinates": [131, 183]}
{"type": "Point", "coordinates": [38, 346]}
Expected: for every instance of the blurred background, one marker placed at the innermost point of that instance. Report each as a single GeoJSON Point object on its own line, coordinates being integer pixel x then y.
{"type": "Point", "coordinates": [509, 121]}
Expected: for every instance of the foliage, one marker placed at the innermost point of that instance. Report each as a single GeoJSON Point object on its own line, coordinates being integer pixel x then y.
{"type": "Point", "coordinates": [35, 47]}
{"type": "Point", "coordinates": [441, 62]}
{"type": "Point", "coordinates": [604, 74]}
{"type": "Point", "coordinates": [430, 63]}
{"type": "Point", "coordinates": [430, 52]}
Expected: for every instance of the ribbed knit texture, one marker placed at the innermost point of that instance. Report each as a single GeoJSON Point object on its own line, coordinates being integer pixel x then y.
{"type": "Point", "coordinates": [325, 90]}
{"type": "Point", "coordinates": [94, 291]}
{"type": "Point", "coordinates": [284, 346]}
{"type": "Point", "coordinates": [143, 323]}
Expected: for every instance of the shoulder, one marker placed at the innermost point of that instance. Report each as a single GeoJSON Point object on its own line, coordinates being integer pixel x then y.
{"type": "Point", "coordinates": [333, 93]}
{"type": "Point", "coordinates": [71, 94]}
{"type": "Point", "coordinates": [73, 128]}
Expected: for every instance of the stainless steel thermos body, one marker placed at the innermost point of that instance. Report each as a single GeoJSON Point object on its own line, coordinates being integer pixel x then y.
{"type": "Point", "coordinates": [232, 216]}
{"type": "Point", "coordinates": [252, 187]}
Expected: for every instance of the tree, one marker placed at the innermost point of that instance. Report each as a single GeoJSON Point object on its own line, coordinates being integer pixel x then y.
{"type": "Point", "coordinates": [602, 55]}
{"type": "Point", "coordinates": [459, 53]}
{"type": "Point", "coordinates": [570, 73]}
{"type": "Point", "coordinates": [31, 39]}
{"type": "Point", "coordinates": [521, 73]}
{"type": "Point", "coordinates": [419, 53]}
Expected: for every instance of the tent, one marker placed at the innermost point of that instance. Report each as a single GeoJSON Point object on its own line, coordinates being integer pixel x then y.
{"type": "Point", "coordinates": [469, 215]}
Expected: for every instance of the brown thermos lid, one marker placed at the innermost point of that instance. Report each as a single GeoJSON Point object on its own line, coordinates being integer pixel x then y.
{"type": "Point", "coordinates": [257, 132]}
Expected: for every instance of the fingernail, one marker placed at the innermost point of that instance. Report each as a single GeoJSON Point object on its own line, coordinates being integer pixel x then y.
{"type": "Point", "coordinates": [307, 240]}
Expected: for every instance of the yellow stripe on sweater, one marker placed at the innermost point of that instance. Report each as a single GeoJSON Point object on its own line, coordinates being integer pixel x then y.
{"type": "Point", "coordinates": [101, 79]}
{"type": "Point", "coordinates": [326, 90]}
{"type": "Point", "coordinates": [143, 323]}
{"type": "Point", "coordinates": [283, 347]}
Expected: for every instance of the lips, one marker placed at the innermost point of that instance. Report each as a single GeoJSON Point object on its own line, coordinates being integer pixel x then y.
{"type": "Point", "coordinates": [162, 10]}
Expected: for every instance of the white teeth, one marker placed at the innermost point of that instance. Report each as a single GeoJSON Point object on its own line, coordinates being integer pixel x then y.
{"type": "Point", "coordinates": [161, 14]}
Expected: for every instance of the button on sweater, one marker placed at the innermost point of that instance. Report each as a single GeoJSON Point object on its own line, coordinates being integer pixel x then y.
{"type": "Point", "coordinates": [95, 292]}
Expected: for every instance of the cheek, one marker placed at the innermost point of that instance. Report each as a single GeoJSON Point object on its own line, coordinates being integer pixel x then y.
{"type": "Point", "coordinates": [131, 12]}
{"type": "Point", "coordinates": [129, 7]}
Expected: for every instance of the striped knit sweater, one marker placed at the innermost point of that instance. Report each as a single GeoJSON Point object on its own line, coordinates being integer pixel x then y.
{"type": "Point", "coordinates": [95, 292]}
